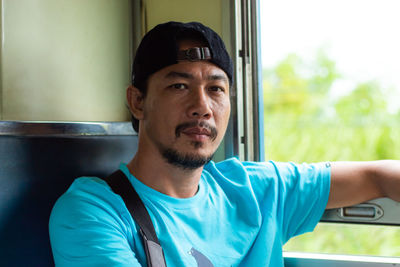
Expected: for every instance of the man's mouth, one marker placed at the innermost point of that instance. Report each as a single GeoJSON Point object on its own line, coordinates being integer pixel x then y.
{"type": "Point", "coordinates": [197, 131]}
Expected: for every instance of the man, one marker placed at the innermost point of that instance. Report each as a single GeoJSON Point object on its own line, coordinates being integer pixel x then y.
{"type": "Point", "coordinates": [230, 213]}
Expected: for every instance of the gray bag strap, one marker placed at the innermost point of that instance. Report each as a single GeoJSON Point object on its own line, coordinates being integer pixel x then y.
{"type": "Point", "coordinates": [120, 185]}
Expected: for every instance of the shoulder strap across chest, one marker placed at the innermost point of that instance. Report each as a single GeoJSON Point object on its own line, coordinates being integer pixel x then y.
{"type": "Point", "coordinates": [120, 185]}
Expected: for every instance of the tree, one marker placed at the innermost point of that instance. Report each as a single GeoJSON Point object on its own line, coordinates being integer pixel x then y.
{"type": "Point", "coordinates": [365, 102]}
{"type": "Point", "coordinates": [297, 88]}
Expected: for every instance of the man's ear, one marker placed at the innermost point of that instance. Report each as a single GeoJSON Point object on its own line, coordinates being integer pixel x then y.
{"type": "Point", "coordinates": [135, 101]}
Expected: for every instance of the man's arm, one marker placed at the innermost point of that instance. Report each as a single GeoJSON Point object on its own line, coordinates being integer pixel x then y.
{"type": "Point", "coordinates": [356, 182]}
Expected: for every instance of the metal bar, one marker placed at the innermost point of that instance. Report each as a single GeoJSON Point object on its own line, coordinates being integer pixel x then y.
{"type": "Point", "coordinates": [386, 213]}
{"type": "Point", "coordinates": [300, 259]}
{"type": "Point", "coordinates": [239, 123]}
{"type": "Point", "coordinates": [53, 128]}
{"type": "Point", "coordinates": [244, 53]}
{"type": "Point", "coordinates": [258, 110]}
{"type": "Point", "coordinates": [1, 56]}
{"type": "Point", "coordinates": [231, 139]}
{"type": "Point", "coordinates": [247, 70]}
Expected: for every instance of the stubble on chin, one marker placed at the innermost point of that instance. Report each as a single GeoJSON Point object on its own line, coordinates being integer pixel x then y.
{"type": "Point", "coordinates": [196, 145]}
{"type": "Point", "coordinates": [185, 161]}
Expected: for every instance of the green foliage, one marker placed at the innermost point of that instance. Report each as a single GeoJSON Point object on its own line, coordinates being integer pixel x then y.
{"type": "Point", "coordinates": [295, 88]}
{"type": "Point", "coordinates": [324, 74]}
{"type": "Point", "coordinates": [348, 239]}
{"type": "Point", "coordinates": [304, 124]}
{"type": "Point", "coordinates": [366, 100]}
{"type": "Point", "coordinates": [279, 95]}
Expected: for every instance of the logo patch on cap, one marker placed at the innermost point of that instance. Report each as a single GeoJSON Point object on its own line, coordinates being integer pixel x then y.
{"type": "Point", "coordinates": [194, 54]}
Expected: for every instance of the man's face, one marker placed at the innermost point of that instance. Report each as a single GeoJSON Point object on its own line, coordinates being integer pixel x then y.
{"type": "Point", "coordinates": [186, 111]}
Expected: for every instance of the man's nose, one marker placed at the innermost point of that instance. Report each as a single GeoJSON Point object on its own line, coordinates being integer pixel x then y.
{"type": "Point", "coordinates": [199, 105]}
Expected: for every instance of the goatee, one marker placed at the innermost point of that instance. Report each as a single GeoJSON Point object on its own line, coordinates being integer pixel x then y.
{"type": "Point", "coordinates": [185, 162]}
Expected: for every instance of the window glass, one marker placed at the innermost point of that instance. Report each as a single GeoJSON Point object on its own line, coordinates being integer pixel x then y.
{"type": "Point", "coordinates": [332, 92]}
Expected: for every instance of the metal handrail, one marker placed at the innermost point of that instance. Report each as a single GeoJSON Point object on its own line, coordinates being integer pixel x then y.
{"type": "Point", "coordinates": [62, 128]}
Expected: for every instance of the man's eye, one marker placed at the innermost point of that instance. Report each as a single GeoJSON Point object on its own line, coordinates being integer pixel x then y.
{"type": "Point", "coordinates": [216, 89]}
{"type": "Point", "coordinates": [178, 86]}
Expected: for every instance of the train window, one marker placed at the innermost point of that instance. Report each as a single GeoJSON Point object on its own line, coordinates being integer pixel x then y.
{"type": "Point", "coordinates": [331, 91]}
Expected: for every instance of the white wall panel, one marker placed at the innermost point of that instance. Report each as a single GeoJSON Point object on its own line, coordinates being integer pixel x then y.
{"type": "Point", "coordinates": [65, 59]}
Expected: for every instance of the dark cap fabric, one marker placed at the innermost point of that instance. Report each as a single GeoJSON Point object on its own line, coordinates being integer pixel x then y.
{"type": "Point", "coordinates": [159, 49]}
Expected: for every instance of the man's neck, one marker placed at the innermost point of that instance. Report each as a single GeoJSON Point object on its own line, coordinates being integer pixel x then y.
{"type": "Point", "coordinates": [164, 177]}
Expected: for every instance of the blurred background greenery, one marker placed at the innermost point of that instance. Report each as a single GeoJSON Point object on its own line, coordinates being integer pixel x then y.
{"type": "Point", "coordinates": [307, 121]}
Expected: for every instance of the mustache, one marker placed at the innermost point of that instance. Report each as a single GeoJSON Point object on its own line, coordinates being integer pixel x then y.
{"type": "Point", "coordinates": [181, 127]}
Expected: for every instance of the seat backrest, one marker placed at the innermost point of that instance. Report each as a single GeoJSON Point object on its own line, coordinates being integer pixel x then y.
{"type": "Point", "coordinates": [34, 172]}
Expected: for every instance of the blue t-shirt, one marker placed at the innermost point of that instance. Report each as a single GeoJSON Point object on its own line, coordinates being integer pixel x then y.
{"type": "Point", "coordinates": [242, 215]}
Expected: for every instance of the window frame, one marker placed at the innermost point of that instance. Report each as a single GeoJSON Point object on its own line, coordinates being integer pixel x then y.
{"type": "Point", "coordinates": [249, 141]}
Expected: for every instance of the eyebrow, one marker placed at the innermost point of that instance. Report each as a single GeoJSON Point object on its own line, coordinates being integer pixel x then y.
{"type": "Point", "coordinates": [217, 77]}
{"type": "Point", "coordinates": [175, 74]}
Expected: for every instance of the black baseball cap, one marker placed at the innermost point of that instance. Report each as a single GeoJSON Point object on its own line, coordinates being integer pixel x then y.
{"type": "Point", "coordinates": [159, 49]}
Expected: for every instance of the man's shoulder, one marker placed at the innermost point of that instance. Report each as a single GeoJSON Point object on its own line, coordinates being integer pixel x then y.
{"type": "Point", "coordinates": [235, 166]}
{"type": "Point", "coordinates": [87, 186]}
{"type": "Point", "coordinates": [270, 171]}
{"type": "Point", "coordinates": [241, 173]}
{"type": "Point", "coordinates": [87, 194]}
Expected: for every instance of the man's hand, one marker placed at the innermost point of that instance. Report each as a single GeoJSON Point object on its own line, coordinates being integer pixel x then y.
{"type": "Point", "coordinates": [356, 182]}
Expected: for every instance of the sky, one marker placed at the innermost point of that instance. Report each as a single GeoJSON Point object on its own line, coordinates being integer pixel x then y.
{"type": "Point", "coordinates": [361, 36]}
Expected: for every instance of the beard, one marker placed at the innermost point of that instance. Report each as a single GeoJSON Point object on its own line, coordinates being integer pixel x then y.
{"type": "Point", "coordinates": [188, 161]}
{"type": "Point", "coordinates": [184, 161]}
